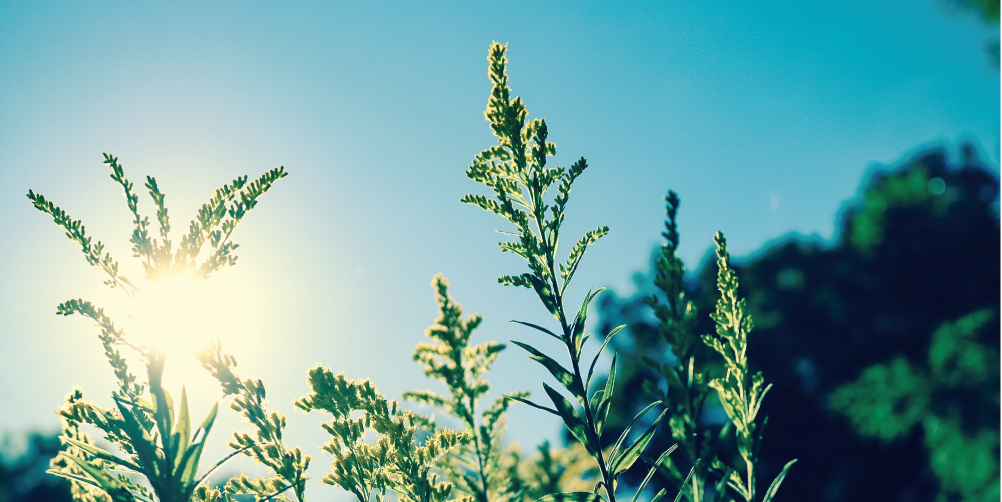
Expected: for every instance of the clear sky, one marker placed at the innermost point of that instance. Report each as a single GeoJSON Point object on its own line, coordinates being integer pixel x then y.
{"type": "Point", "coordinates": [763, 116]}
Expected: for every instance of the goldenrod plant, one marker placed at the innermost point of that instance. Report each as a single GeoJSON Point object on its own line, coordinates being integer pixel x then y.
{"type": "Point", "coordinates": [478, 468]}
{"type": "Point", "coordinates": [515, 169]}
{"type": "Point", "coordinates": [690, 382]}
{"type": "Point", "coordinates": [685, 387]}
{"type": "Point", "coordinates": [160, 449]}
{"type": "Point", "coordinates": [394, 461]}
{"type": "Point", "coordinates": [740, 391]}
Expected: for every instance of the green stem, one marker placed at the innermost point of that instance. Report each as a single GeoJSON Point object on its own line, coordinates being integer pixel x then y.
{"type": "Point", "coordinates": [572, 352]}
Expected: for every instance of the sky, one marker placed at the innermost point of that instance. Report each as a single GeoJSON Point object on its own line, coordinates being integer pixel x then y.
{"type": "Point", "coordinates": [763, 116]}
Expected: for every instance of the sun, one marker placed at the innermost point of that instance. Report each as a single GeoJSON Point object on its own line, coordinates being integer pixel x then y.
{"type": "Point", "coordinates": [178, 315]}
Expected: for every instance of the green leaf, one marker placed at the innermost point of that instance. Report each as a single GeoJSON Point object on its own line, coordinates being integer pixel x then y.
{"type": "Point", "coordinates": [571, 497]}
{"type": "Point", "coordinates": [608, 338]}
{"type": "Point", "coordinates": [189, 464]}
{"type": "Point", "coordinates": [540, 328]}
{"type": "Point", "coordinates": [559, 372]}
{"type": "Point", "coordinates": [543, 292]}
{"type": "Point", "coordinates": [610, 383]}
{"type": "Point", "coordinates": [163, 405]}
{"type": "Point", "coordinates": [661, 494]}
{"type": "Point", "coordinates": [654, 468]}
{"type": "Point", "coordinates": [530, 403]}
{"type": "Point", "coordinates": [681, 489]}
{"type": "Point", "coordinates": [114, 489]}
{"type": "Point", "coordinates": [146, 449]}
{"type": "Point", "coordinates": [623, 459]}
{"type": "Point", "coordinates": [182, 430]}
{"type": "Point", "coordinates": [572, 419]}
{"type": "Point", "coordinates": [101, 454]}
{"type": "Point", "coordinates": [578, 326]}
{"type": "Point", "coordinates": [774, 487]}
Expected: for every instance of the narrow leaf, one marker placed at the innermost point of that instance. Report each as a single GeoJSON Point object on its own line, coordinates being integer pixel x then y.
{"type": "Point", "coordinates": [681, 489]}
{"type": "Point", "coordinates": [608, 338]}
{"type": "Point", "coordinates": [626, 432]}
{"type": "Point", "coordinates": [654, 468]}
{"type": "Point", "coordinates": [571, 497]}
{"type": "Point", "coordinates": [572, 419]}
{"type": "Point", "coordinates": [774, 487]}
{"type": "Point", "coordinates": [101, 454]}
{"type": "Point", "coordinates": [111, 486]}
{"type": "Point", "coordinates": [631, 454]}
{"type": "Point", "coordinates": [530, 403]}
{"type": "Point", "coordinates": [610, 383]}
{"type": "Point", "coordinates": [559, 372]}
{"type": "Point", "coordinates": [182, 429]}
{"type": "Point", "coordinates": [538, 327]}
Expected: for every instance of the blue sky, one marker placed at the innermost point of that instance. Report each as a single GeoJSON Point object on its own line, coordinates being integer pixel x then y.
{"type": "Point", "coordinates": [764, 118]}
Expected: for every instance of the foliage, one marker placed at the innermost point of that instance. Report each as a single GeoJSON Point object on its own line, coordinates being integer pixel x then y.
{"type": "Point", "coordinates": [740, 391]}
{"type": "Point", "coordinates": [477, 468]}
{"type": "Point", "coordinates": [158, 440]}
{"type": "Point", "coordinates": [516, 171]}
{"type": "Point", "coordinates": [688, 380]}
{"type": "Point", "coordinates": [888, 400]}
{"type": "Point", "coordinates": [394, 461]}
{"type": "Point", "coordinates": [378, 447]}
{"type": "Point", "coordinates": [824, 311]}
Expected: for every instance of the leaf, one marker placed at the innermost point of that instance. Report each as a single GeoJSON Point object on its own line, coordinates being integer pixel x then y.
{"type": "Point", "coordinates": [530, 403]}
{"type": "Point", "coordinates": [774, 486]}
{"type": "Point", "coordinates": [681, 489]}
{"type": "Point", "coordinates": [114, 489]}
{"type": "Point", "coordinates": [182, 430]}
{"type": "Point", "coordinates": [101, 454]}
{"type": "Point", "coordinates": [654, 468]}
{"type": "Point", "coordinates": [661, 494]}
{"type": "Point", "coordinates": [608, 338]}
{"type": "Point", "coordinates": [189, 463]}
{"type": "Point", "coordinates": [610, 383]}
{"type": "Point", "coordinates": [571, 497]}
{"type": "Point", "coordinates": [572, 419]}
{"type": "Point", "coordinates": [540, 328]}
{"type": "Point", "coordinates": [559, 372]}
{"type": "Point", "coordinates": [543, 292]}
{"type": "Point", "coordinates": [578, 326]}
{"type": "Point", "coordinates": [622, 460]}
{"type": "Point", "coordinates": [146, 449]}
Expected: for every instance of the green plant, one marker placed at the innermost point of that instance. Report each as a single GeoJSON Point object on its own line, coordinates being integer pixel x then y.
{"type": "Point", "coordinates": [516, 171]}
{"type": "Point", "coordinates": [740, 391]}
{"type": "Point", "coordinates": [394, 461]}
{"type": "Point", "coordinates": [378, 447]}
{"type": "Point", "coordinates": [158, 445]}
{"type": "Point", "coordinates": [686, 387]}
{"type": "Point", "coordinates": [477, 470]}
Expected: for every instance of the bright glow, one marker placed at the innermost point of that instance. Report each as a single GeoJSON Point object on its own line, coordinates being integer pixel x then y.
{"type": "Point", "coordinates": [178, 315]}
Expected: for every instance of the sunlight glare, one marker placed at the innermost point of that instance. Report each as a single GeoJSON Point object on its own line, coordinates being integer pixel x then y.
{"type": "Point", "coordinates": [178, 315]}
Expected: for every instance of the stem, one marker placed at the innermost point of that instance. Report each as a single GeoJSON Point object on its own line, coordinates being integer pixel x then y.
{"type": "Point", "coordinates": [484, 484]}
{"type": "Point", "coordinates": [607, 478]}
{"type": "Point", "coordinates": [572, 352]}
